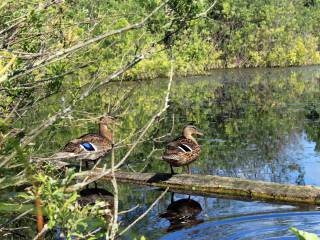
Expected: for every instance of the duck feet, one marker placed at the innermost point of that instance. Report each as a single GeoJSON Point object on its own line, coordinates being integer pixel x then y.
{"type": "Point", "coordinates": [172, 172]}
{"type": "Point", "coordinates": [189, 170]}
{"type": "Point", "coordinates": [87, 165]}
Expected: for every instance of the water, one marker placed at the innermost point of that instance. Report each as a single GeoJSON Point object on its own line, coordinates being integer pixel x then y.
{"type": "Point", "coordinates": [259, 124]}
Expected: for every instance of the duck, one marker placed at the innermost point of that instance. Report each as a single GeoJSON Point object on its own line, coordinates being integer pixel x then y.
{"type": "Point", "coordinates": [92, 142]}
{"type": "Point", "coordinates": [183, 150]}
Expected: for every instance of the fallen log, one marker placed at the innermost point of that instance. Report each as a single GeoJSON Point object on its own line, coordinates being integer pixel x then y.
{"type": "Point", "coordinates": [223, 186]}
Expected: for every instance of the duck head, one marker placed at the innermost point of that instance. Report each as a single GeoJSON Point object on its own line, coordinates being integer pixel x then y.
{"type": "Point", "coordinates": [189, 131]}
{"type": "Point", "coordinates": [105, 123]}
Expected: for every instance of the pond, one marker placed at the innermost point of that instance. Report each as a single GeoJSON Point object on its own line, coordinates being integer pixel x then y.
{"type": "Point", "coordinates": [258, 124]}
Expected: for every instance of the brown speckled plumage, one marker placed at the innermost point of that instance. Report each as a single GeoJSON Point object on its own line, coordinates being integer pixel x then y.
{"type": "Point", "coordinates": [177, 156]}
{"type": "Point", "coordinates": [183, 150]}
{"type": "Point", "coordinates": [101, 141]}
{"type": "Point", "coordinates": [97, 143]}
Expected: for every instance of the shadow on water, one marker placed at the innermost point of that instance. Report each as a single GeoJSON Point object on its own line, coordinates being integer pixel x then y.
{"type": "Point", "coordinates": [92, 195]}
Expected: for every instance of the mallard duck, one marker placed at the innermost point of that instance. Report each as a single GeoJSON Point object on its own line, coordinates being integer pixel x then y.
{"type": "Point", "coordinates": [93, 142]}
{"type": "Point", "coordinates": [183, 150]}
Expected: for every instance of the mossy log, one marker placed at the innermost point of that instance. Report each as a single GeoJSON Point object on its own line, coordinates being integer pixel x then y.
{"type": "Point", "coordinates": [222, 186]}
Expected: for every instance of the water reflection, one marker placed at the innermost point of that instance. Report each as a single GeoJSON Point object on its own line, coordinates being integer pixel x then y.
{"type": "Point", "coordinates": [89, 196]}
{"type": "Point", "coordinates": [266, 226]}
{"type": "Point", "coordinates": [250, 117]}
{"type": "Point", "coordinates": [182, 213]}
{"type": "Point", "coordinates": [258, 124]}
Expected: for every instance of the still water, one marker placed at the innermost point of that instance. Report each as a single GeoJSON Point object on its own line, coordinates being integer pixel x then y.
{"type": "Point", "coordinates": [258, 123]}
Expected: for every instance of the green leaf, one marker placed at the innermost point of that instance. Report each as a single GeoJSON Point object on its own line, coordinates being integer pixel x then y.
{"type": "Point", "coordinates": [302, 235]}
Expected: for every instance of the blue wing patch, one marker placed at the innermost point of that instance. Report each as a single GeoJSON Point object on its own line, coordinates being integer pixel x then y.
{"type": "Point", "coordinates": [88, 146]}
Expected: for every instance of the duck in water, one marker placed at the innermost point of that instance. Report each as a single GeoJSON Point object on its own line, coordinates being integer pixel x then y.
{"type": "Point", "coordinates": [183, 150]}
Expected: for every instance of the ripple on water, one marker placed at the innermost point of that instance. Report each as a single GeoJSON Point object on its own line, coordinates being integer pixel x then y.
{"type": "Point", "coordinates": [264, 226]}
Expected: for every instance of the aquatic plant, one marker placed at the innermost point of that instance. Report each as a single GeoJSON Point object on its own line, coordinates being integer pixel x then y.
{"type": "Point", "coordinates": [303, 235]}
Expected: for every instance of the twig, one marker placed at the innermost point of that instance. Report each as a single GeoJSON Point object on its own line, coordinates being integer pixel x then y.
{"type": "Point", "coordinates": [44, 229]}
{"type": "Point", "coordinates": [153, 119]}
{"type": "Point", "coordinates": [16, 218]}
{"type": "Point", "coordinates": [129, 210]}
{"type": "Point", "coordinates": [114, 226]}
{"type": "Point", "coordinates": [145, 213]}
{"type": "Point", "coordinates": [203, 14]}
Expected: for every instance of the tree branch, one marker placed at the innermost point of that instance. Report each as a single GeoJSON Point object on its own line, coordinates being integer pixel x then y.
{"type": "Point", "coordinates": [64, 52]}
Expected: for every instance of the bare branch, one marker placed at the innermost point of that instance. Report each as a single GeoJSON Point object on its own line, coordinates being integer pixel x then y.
{"type": "Point", "coordinates": [114, 223]}
{"type": "Point", "coordinates": [40, 234]}
{"type": "Point", "coordinates": [203, 14]}
{"type": "Point", "coordinates": [145, 213]}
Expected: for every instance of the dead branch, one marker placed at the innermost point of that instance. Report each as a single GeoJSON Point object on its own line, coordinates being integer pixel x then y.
{"type": "Point", "coordinates": [145, 213]}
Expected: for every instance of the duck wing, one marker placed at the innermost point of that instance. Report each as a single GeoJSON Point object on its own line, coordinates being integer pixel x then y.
{"type": "Point", "coordinates": [88, 143]}
{"type": "Point", "coordinates": [91, 137]}
{"type": "Point", "coordinates": [181, 145]}
{"type": "Point", "coordinates": [181, 151]}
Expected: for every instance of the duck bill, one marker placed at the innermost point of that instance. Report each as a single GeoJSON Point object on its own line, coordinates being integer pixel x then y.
{"type": "Point", "coordinates": [116, 123]}
{"type": "Point", "coordinates": [199, 133]}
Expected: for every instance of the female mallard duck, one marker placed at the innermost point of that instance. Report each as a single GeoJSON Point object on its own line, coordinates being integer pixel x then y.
{"type": "Point", "coordinates": [184, 150]}
{"type": "Point", "coordinates": [93, 142]}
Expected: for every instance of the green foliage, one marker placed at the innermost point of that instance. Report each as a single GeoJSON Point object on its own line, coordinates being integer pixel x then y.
{"type": "Point", "coordinates": [267, 33]}
{"type": "Point", "coordinates": [62, 209]}
{"type": "Point", "coordinates": [234, 34]}
{"type": "Point", "coordinates": [302, 235]}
